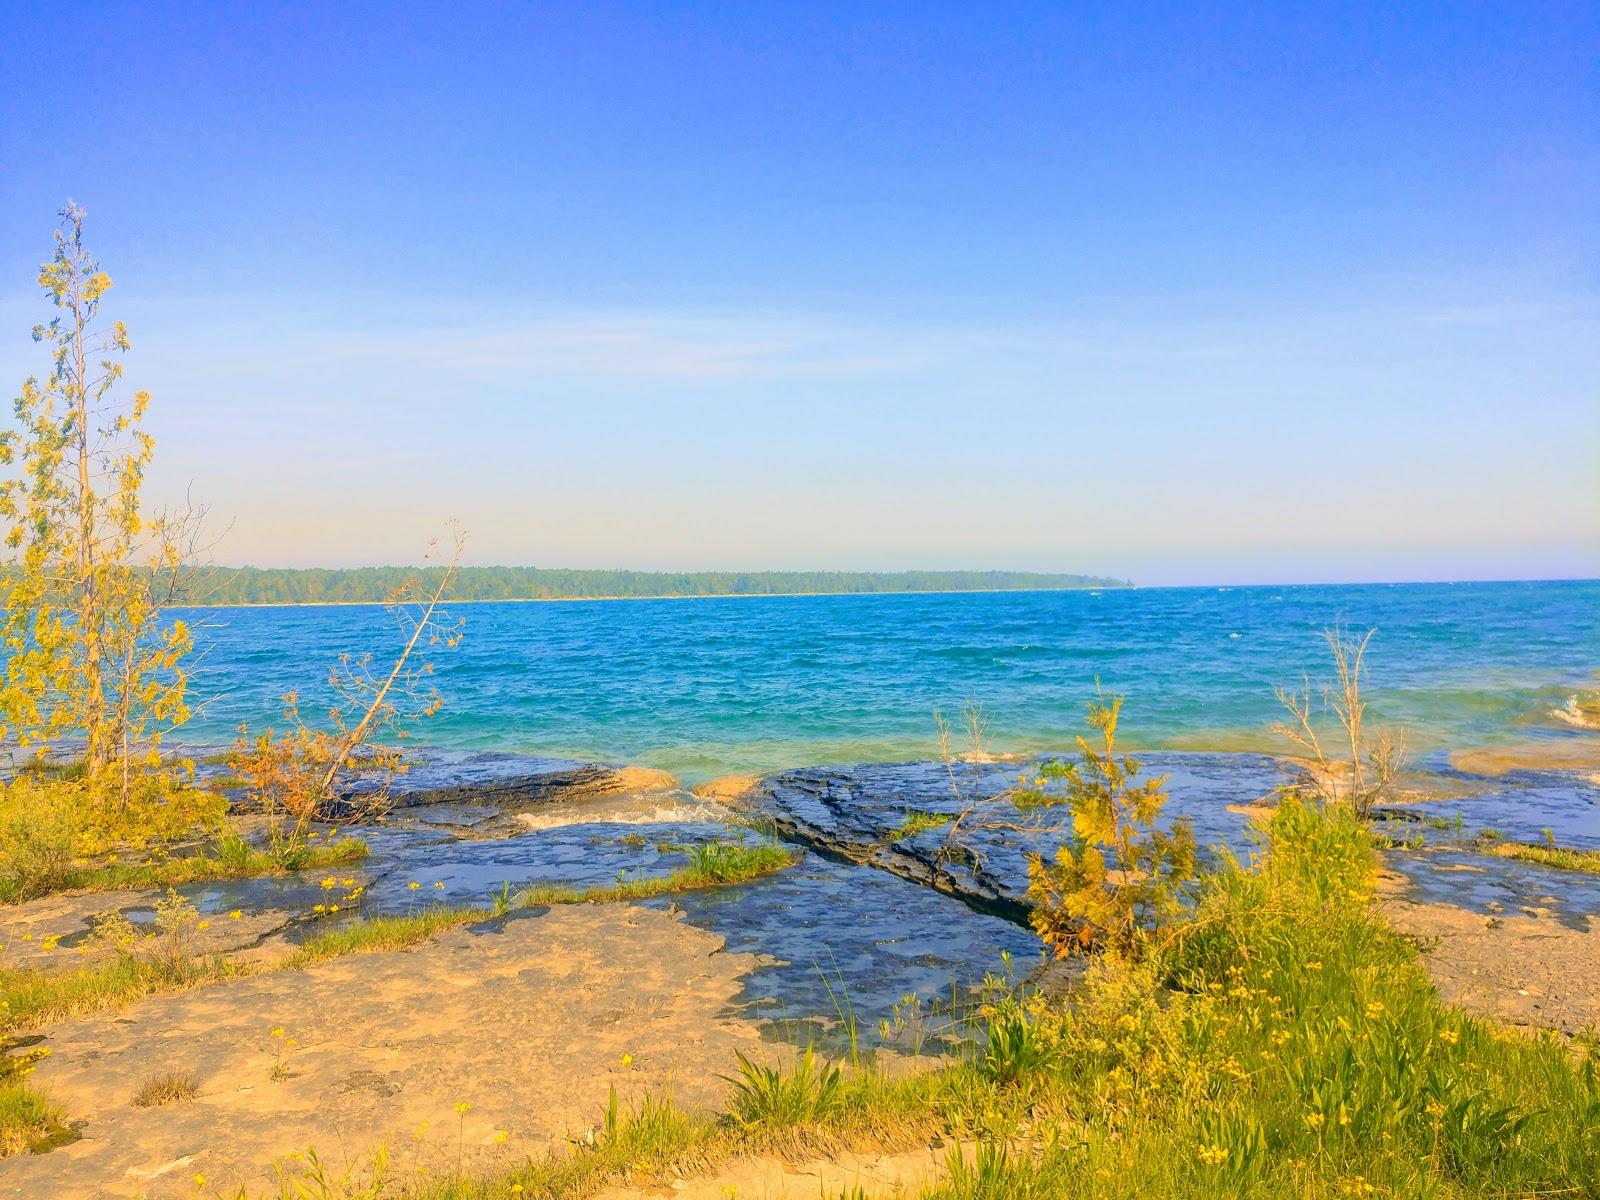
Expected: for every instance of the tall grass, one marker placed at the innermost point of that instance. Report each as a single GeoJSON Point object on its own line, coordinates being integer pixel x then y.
{"type": "Point", "coordinates": [27, 1120]}
{"type": "Point", "coordinates": [229, 857]}
{"type": "Point", "coordinates": [30, 999]}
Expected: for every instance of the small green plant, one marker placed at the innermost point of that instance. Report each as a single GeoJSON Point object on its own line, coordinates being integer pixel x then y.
{"type": "Point", "coordinates": [1015, 1046]}
{"type": "Point", "coordinates": [806, 1091]}
{"type": "Point", "coordinates": [918, 821]}
{"type": "Point", "coordinates": [282, 1050]}
{"type": "Point", "coordinates": [177, 920]}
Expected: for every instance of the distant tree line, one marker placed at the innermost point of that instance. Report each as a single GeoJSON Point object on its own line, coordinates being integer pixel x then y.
{"type": "Point", "coordinates": [361, 585]}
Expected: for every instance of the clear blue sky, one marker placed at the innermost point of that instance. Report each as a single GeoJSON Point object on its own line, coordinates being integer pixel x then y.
{"type": "Point", "coordinates": [1248, 295]}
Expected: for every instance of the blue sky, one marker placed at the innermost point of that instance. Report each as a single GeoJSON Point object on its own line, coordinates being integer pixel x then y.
{"type": "Point", "coordinates": [1223, 296]}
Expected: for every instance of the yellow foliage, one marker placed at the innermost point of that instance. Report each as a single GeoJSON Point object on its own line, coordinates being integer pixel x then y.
{"type": "Point", "coordinates": [90, 654]}
{"type": "Point", "coordinates": [1122, 874]}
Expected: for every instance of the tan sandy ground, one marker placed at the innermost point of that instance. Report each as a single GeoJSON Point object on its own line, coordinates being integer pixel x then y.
{"type": "Point", "coordinates": [880, 1176]}
{"type": "Point", "coordinates": [527, 1022]}
{"type": "Point", "coordinates": [1526, 969]}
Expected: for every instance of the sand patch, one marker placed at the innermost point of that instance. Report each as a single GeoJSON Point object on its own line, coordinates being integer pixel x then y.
{"type": "Point", "coordinates": [906, 1173]}
{"type": "Point", "coordinates": [1528, 970]}
{"type": "Point", "coordinates": [728, 789]}
{"type": "Point", "coordinates": [527, 1021]}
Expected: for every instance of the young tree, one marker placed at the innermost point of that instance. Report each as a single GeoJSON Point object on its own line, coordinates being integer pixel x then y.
{"type": "Point", "coordinates": [348, 762]}
{"type": "Point", "coordinates": [1122, 873]}
{"type": "Point", "coordinates": [1366, 766]}
{"type": "Point", "coordinates": [90, 653]}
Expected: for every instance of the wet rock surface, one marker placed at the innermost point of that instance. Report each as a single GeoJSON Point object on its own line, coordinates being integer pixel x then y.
{"type": "Point", "coordinates": [861, 814]}
{"type": "Point", "coordinates": [483, 778]}
{"type": "Point", "coordinates": [1444, 859]}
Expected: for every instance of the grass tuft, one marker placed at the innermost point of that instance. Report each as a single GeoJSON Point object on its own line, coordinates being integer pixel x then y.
{"type": "Point", "coordinates": [33, 998]}
{"type": "Point", "coordinates": [170, 1087]}
{"type": "Point", "coordinates": [917, 821]}
{"type": "Point", "coordinates": [1559, 857]}
{"type": "Point", "coordinates": [28, 1121]}
{"type": "Point", "coordinates": [711, 864]}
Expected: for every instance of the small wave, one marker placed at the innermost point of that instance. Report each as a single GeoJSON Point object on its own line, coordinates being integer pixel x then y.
{"type": "Point", "coordinates": [1581, 712]}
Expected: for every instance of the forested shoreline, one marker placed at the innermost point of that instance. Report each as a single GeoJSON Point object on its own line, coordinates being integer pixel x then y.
{"type": "Point", "coordinates": [370, 585]}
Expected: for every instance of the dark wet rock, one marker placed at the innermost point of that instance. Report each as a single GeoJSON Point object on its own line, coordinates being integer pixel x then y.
{"type": "Point", "coordinates": [472, 779]}
{"type": "Point", "coordinates": [859, 815]}
{"type": "Point", "coordinates": [483, 778]}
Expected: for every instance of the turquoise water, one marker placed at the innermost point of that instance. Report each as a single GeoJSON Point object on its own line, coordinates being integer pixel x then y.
{"type": "Point", "coordinates": [710, 687]}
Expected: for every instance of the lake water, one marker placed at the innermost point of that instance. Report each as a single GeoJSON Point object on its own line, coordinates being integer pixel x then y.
{"type": "Point", "coordinates": [717, 686]}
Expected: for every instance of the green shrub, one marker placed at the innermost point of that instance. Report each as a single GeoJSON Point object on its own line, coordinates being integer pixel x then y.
{"type": "Point", "coordinates": [40, 828]}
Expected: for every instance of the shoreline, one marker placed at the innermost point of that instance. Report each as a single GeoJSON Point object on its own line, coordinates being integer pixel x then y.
{"type": "Point", "coordinates": [1119, 587]}
{"type": "Point", "coordinates": [1091, 588]}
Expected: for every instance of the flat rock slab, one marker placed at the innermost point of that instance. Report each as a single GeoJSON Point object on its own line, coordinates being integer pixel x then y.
{"type": "Point", "coordinates": [857, 814]}
{"type": "Point", "coordinates": [527, 1020]}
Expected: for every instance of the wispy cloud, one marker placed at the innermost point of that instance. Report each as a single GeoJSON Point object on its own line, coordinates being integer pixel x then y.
{"type": "Point", "coordinates": [647, 347]}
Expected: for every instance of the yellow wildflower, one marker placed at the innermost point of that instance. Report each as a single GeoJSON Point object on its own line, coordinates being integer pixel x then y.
{"type": "Point", "coordinates": [627, 1060]}
{"type": "Point", "coordinates": [236, 915]}
{"type": "Point", "coordinates": [463, 1107]}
